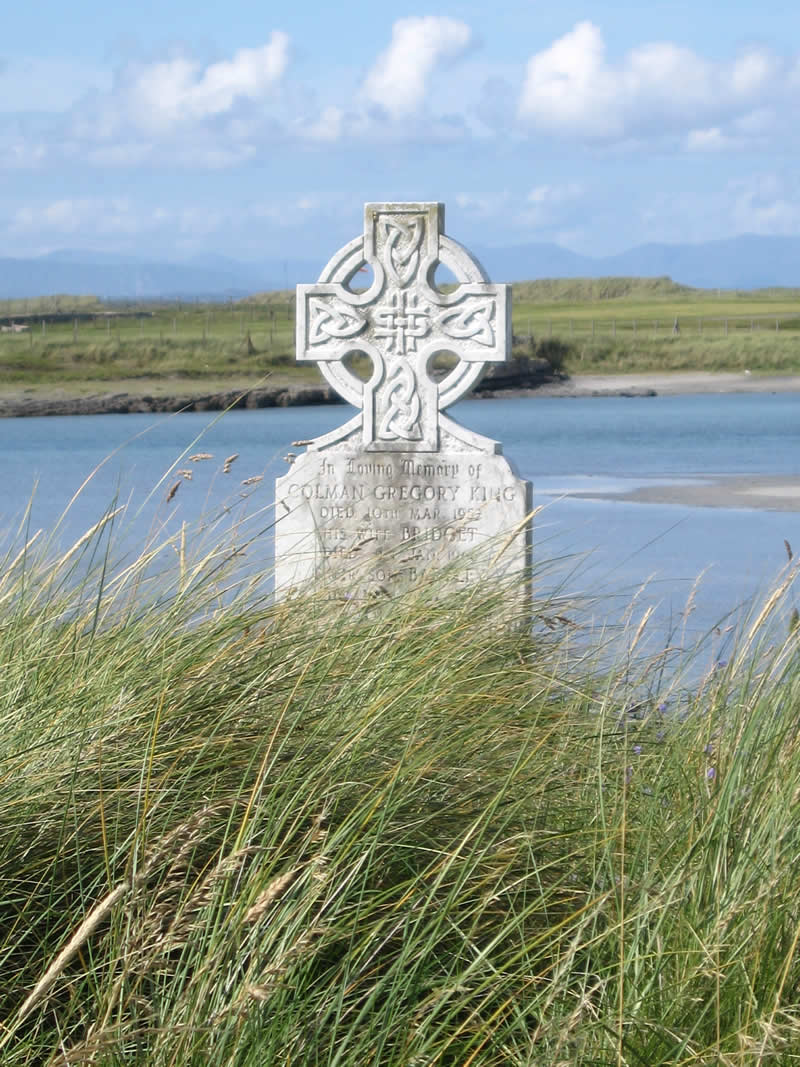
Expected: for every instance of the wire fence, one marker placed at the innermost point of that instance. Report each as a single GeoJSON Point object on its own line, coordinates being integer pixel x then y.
{"type": "Point", "coordinates": [263, 325]}
{"type": "Point", "coordinates": [655, 328]}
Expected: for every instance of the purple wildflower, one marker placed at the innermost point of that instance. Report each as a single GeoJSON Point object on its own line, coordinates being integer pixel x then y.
{"type": "Point", "coordinates": [637, 750]}
{"type": "Point", "coordinates": [711, 773]}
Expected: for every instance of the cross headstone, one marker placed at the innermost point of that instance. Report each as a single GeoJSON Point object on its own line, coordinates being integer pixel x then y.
{"type": "Point", "coordinates": [400, 487]}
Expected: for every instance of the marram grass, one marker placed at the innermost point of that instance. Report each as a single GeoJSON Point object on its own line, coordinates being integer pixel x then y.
{"type": "Point", "coordinates": [235, 832]}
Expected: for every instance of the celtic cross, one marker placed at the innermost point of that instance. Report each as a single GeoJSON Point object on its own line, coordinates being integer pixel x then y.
{"type": "Point", "coordinates": [400, 322]}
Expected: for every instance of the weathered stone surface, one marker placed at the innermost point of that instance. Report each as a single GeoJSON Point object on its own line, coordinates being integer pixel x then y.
{"type": "Point", "coordinates": [401, 487]}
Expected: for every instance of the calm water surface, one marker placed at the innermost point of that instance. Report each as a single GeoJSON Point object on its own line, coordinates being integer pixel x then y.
{"type": "Point", "coordinates": [561, 444]}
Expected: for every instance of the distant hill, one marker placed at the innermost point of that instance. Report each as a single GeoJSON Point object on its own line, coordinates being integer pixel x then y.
{"type": "Point", "coordinates": [746, 262]}
{"type": "Point", "coordinates": [580, 290]}
{"type": "Point", "coordinates": [112, 277]}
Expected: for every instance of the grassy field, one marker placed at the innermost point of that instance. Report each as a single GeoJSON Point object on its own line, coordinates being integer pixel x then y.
{"type": "Point", "coordinates": [241, 833]}
{"type": "Point", "coordinates": [627, 324]}
{"type": "Point", "coordinates": [608, 325]}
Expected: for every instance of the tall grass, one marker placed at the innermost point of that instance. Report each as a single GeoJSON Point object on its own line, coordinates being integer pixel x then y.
{"type": "Point", "coordinates": [234, 831]}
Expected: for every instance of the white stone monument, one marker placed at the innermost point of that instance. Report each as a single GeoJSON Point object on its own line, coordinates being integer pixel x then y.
{"type": "Point", "coordinates": [401, 488]}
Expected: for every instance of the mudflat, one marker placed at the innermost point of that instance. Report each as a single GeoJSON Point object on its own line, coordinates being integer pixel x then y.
{"type": "Point", "coordinates": [671, 384]}
{"type": "Point", "coordinates": [767, 492]}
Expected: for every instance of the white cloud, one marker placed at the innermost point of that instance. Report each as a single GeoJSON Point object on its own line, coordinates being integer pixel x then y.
{"type": "Point", "coordinates": [482, 205]}
{"type": "Point", "coordinates": [554, 194]}
{"type": "Point", "coordinates": [249, 105]}
{"type": "Point", "coordinates": [766, 204]}
{"type": "Point", "coordinates": [179, 90]}
{"type": "Point", "coordinates": [572, 89]}
{"type": "Point", "coordinates": [108, 216]}
{"type": "Point", "coordinates": [327, 127]}
{"type": "Point", "coordinates": [398, 81]}
{"type": "Point", "coordinates": [753, 72]}
{"type": "Point", "coordinates": [551, 205]}
{"type": "Point", "coordinates": [709, 140]}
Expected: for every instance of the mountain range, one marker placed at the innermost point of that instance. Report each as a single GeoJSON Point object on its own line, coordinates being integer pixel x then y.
{"type": "Point", "coordinates": [745, 262]}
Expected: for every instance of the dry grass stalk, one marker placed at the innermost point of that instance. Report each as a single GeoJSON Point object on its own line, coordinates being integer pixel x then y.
{"type": "Point", "coordinates": [81, 935]}
{"type": "Point", "coordinates": [273, 892]}
{"type": "Point", "coordinates": [188, 831]}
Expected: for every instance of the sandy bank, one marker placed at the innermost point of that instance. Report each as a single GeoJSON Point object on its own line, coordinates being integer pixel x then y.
{"type": "Point", "coordinates": [779, 492]}
{"type": "Point", "coordinates": [678, 383]}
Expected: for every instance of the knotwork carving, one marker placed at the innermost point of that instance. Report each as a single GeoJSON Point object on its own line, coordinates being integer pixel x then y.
{"type": "Point", "coordinates": [401, 321]}
{"type": "Point", "coordinates": [402, 244]}
{"type": "Point", "coordinates": [333, 319]}
{"type": "Point", "coordinates": [473, 322]}
{"type": "Point", "coordinates": [401, 419]}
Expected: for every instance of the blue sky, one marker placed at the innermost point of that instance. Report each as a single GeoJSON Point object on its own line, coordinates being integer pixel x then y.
{"type": "Point", "coordinates": [250, 130]}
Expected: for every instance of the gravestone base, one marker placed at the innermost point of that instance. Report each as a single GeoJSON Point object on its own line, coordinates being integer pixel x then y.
{"type": "Point", "coordinates": [370, 523]}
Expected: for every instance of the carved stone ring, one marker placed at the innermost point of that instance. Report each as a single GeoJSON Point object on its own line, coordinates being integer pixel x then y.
{"type": "Point", "coordinates": [401, 322]}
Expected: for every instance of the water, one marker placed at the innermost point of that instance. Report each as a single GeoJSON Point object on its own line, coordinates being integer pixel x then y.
{"type": "Point", "coordinates": [561, 444]}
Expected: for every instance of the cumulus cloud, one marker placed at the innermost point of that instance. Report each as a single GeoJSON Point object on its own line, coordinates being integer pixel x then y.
{"type": "Point", "coordinates": [766, 204]}
{"type": "Point", "coordinates": [709, 140]}
{"type": "Point", "coordinates": [571, 88]}
{"type": "Point", "coordinates": [398, 81]}
{"type": "Point", "coordinates": [548, 205]}
{"type": "Point", "coordinates": [106, 216]}
{"type": "Point", "coordinates": [179, 90]}
{"type": "Point", "coordinates": [249, 104]}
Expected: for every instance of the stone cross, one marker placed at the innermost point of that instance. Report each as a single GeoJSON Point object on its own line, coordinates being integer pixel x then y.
{"type": "Point", "coordinates": [401, 322]}
{"type": "Point", "coordinates": [401, 488]}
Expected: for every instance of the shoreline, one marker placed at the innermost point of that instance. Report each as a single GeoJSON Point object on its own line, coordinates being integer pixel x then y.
{"type": "Point", "coordinates": [756, 492]}
{"type": "Point", "coordinates": [677, 383]}
{"type": "Point", "coordinates": [162, 397]}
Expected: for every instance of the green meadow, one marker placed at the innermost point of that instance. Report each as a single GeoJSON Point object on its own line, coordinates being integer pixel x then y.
{"type": "Point", "coordinates": [416, 831]}
{"type": "Point", "coordinates": [583, 326]}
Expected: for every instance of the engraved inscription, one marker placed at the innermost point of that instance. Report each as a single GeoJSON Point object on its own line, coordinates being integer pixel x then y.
{"type": "Point", "coordinates": [434, 508]}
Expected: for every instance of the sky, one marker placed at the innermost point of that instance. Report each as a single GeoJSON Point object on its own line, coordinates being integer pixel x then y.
{"type": "Point", "coordinates": [249, 130]}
